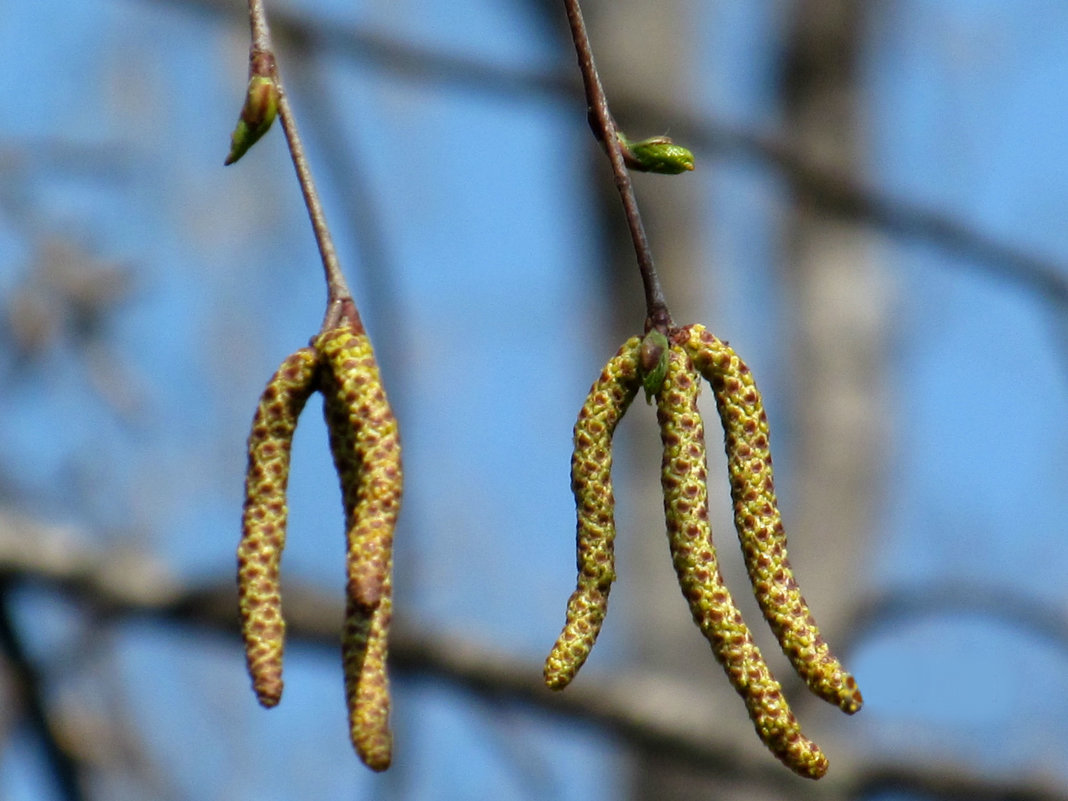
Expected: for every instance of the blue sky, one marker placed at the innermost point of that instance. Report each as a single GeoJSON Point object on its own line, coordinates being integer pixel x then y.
{"type": "Point", "coordinates": [490, 257]}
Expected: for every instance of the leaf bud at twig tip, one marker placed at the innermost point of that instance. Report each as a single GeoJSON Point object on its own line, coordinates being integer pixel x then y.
{"type": "Point", "coordinates": [653, 362]}
{"type": "Point", "coordinates": [656, 154]}
{"type": "Point", "coordinates": [257, 115]}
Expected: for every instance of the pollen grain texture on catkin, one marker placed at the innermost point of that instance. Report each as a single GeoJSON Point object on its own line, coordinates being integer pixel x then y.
{"type": "Point", "coordinates": [758, 522]}
{"type": "Point", "coordinates": [264, 520]}
{"type": "Point", "coordinates": [684, 481]}
{"type": "Point", "coordinates": [366, 448]}
{"type": "Point", "coordinates": [591, 483]}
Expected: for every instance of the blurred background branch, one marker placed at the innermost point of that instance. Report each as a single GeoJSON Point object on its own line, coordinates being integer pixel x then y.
{"type": "Point", "coordinates": [827, 188]}
{"type": "Point", "coordinates": [650, 715]}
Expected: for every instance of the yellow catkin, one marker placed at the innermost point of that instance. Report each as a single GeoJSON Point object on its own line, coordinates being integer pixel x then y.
{"type": "Point", "coordinates": [683, 477]}
{"type": "Point", "coordinates": [757, 519]}
{"type": "Point", "coordinates": [591, 483]}
{"type": "Point", "coordinates": [365, 647]}
{"type": "Point", "coordinates": [264, 523]}
{"type": "Point", "coordinates": [366, 448]}
{"type": "Point", "coordinates": [373, 487]}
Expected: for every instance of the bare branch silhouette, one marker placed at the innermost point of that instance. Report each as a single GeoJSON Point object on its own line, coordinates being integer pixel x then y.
{"type": "Point", "coordinates": [672, 723]}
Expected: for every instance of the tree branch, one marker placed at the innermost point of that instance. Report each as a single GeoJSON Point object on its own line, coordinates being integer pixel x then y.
{"type": "Point", "coordinates": [64, 767]}
{"type": "Point", "coordinates": [604, 128]}
{"type": "Point", "coordinates": [339, 298]}
{"type": "Point", "coordinates": [827, 190]}
{"type": "Point", "coordinates": [673, 722]}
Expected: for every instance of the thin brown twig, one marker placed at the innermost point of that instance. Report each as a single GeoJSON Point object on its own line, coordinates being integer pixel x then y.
{"type": "Point", "coordinates": [831, 191]}
{"type": "Point", "coordinates": [604, 128]}
{"type": "Point", "coordinates": [339, 299]}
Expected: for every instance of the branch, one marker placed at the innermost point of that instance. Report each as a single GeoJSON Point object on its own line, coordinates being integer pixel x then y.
{"type": "Point", "coordinates": [604, 128]}
{"type": "Point", "coordinates": [830, 191]}
{"type": "Point", "coordinates": [63, 765]}
{"type": "Point", "coordinates": [263, 61]}
{"type": "Point", "coordinates": [902, 605]}
{"type": "Point", "coordinates": [645, 712]}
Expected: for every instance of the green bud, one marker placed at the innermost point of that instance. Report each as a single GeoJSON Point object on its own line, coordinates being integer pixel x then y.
{"type": "Point", "coordinates": [657, 154]}
{"type": "Point", "coordinates": [259, 111]}
{"type": "Point", "coordinates": [653, 363]}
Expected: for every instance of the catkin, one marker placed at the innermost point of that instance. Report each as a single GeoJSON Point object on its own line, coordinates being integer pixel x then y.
{"type": "Point", "coordinates": [366, 449]}
{"type": "Point", "coordinates": [759, 525]}
{"type": "Point", "coordinates": [372, 482]}
{"type": "Point", "coordinates": [591, 483]}
{"type": "Point", "coordinates": [264, 522]}
{"type": "Point", "coordinates": [683, 477]}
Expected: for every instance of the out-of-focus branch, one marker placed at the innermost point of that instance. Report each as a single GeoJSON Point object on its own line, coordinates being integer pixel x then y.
{"type": "Point", "coordinates": [63, 765]}
{"type": "Point", "coordinates": [827, 190]}
{"type": "Point", "coordinates": [900, 605]}
{"type": "Point", "coordinates": [643, 712]}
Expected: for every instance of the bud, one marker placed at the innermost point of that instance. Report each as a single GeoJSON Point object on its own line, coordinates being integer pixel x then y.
{"type": "Point", "coordinates": [657, 154]}
{"type": "Point", "coordinates": [653, 362]}
{"type": "Point", "coordinates": [257, 115]}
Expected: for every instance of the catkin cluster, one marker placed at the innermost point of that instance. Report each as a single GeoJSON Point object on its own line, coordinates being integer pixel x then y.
{"type": "Point", "coordinates": [670, 369]}
{"type": "Point", "coordinates": [366, 449]}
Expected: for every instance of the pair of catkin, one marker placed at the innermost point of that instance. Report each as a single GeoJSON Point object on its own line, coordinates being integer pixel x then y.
{"type": "Point", "coordinates": [689, 354]}
{"type": "Point", "coordinates": [366, 450]}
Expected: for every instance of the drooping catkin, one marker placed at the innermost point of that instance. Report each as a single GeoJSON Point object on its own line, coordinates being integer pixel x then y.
{"type": "Point", "coordinates": [372, 483]}
{"type": "Point", "coordinates": [264, 521]}
{"type": "Point", "coordinates": [683, 477]}
{"type": "Point", "coordinates": [591, 483]}
{"type": "Point", "coordinates": [758, 522]}
{"type": "Point", "coordinates": [366, 449]}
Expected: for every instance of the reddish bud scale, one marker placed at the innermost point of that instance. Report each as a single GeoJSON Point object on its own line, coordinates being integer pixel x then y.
{"type": "Point", "coordinates": [758, 522]}
{"type": "Point", "coordinates": [591, 483]}
{"type": "Point", "coordinates": [264, 523]}
{"type": "Point", "coordinates": [366, 448]}
{"type": "Point", "coordinates": [683, 477]}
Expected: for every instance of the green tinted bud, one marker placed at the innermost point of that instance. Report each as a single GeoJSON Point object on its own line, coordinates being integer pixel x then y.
{"type": "Point", "coordinates": [657, 154]}
{"type": "Point", "coordinates": [259, 111]}
{"type": "Point", "coordinates": [653, 362]}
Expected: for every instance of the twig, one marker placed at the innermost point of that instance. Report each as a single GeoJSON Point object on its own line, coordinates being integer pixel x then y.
{"type": "Point", "coordinates": [339, 299]}
{"type": "Point", "coordinates": [829, 190]}
{"type": "Point", "coordinates": [604, 128]}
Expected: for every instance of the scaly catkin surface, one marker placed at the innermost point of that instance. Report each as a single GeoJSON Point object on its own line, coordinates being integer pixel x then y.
{"type": "Point", "coordinates": [372, 483]}
{"type": "Point", "coordinates": [759, 524]}
{"type": "Point", "coordinates": [591, 483]}
{"type": "Point", "coordinates": [264, 521]}
{"type": "Point", "coordinates": [366, 449]}
{"type": "Point", "coordinates": [683, 477]}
